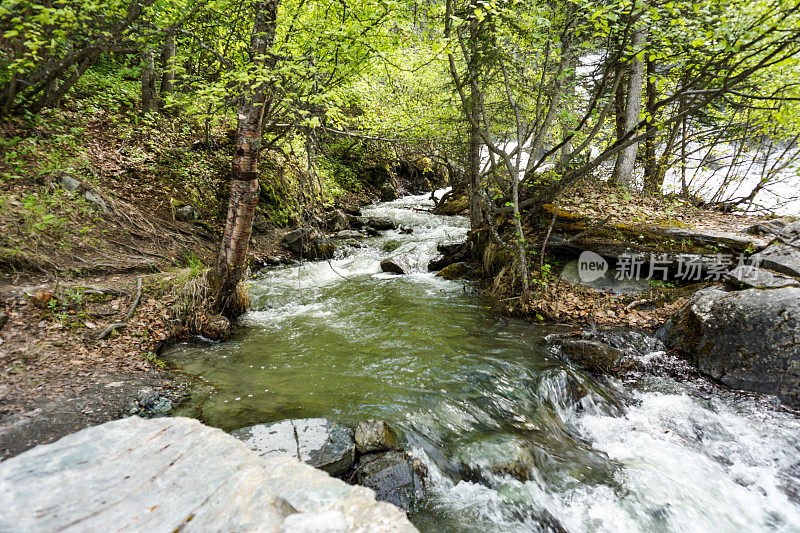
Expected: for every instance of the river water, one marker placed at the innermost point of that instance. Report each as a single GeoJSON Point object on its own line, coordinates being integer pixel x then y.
{"type": "Point", "coordinates": [477, 395]}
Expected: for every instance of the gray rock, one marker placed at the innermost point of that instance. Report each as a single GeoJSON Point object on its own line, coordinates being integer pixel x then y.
{"type": "Point", "coordinates": [3, 319]}
{"type": "Point", "coordinates": [175, 474]}
{"type": "Point", "coordinates": [329, 521]}
{"type": "Point", "coordinates": [375, 436]}
{"type": "Point", "coordinates": [394, 476]}
{"type": "Point", "coordinates": [783, 255]}
{"type": "Point", "coordinates": [260, 223]}
{"type": "Point", "coordinates": [147, 398]}
{"type": "Point", "coordinates": [130, 407]}
{"type": "Point", "coordinates": [308, 243]}
{"type": "Point", "coordinates": [593, 355]}
{"type": "Point", "coordinates": [745, 339]}
{"type": "Point", "coordinates": [400, 264]}
{"type": "Point", "coordinates": [354, 222]}
{"type": "Point", "coordinates": [766, 229]}
{"type": "Point", "coordinates": [336, 221]}
{"type": "Point", "coordinates": [96, 200]}
{"type": "Point", "coordinates": [187, 213]}
{"type": "Point", "coordinates": [318, 442]}
{"type": "Point", "coordinates": [69, 183]}
{"type": "Point", "coordinates": [455, 271]}
{"type": "Point", "coordinates": [349, 234]}
{"type": "Point", "coordinates": [750, 277]}
{"type": "Point", "coordinates": [388, 192]}
{"type": "Point", "coordinates": [380, 223]}
{"type": "Point", "coordinates": [607, 283]}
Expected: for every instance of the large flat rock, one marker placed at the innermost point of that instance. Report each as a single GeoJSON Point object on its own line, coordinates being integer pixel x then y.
{"type": "Point", "coordinates": [319, 442]}
{"type": "Point", "coordinates": [175, 474]}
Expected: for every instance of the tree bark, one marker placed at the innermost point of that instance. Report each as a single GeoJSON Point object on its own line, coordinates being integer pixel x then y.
{"type": "Point", "coordinates": [475, 201]}
{"type": "Point", "coordinates": [651, 181]}
{"type": "Point", "coordinates": [149, 92]}
{"type": "Point", "coordinates": [231, 262]}
{"type": "Point", "coordinates": [168, 67]}
{"type": "Point", "coordinates": [626, 160]}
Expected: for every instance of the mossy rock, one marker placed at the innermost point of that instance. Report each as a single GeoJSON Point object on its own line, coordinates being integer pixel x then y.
{"type": "Point", "coordinates": [454, 271]}
{"type": "Point", "coordinates": [390, 245]}
{"type": "Point", "coordinates": [454, 206]}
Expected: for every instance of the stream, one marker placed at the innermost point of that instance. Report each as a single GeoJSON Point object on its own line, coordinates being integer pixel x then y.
{"type": "Point", "coordinates": [474, 392]}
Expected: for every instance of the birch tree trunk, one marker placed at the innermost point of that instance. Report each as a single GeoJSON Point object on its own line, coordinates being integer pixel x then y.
{"type": "Point", "coordinates": [229, 268]}
{"type": "Point", "coordinates": [627, 157]}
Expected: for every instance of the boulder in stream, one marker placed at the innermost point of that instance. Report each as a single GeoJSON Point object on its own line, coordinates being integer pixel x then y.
{"type": "Point", "coordinates": [455, 271]}
{"type": "Point", "coordinates": [744, 339]}
{"type": "Point", "coordinates": [308, 243]}
{"type": "Point", "coordinates": [375, 436]}
{"type": "Point", "coordinates": [380, 223]}
{"type": "Point", "coordinates": [175, 474]}
{"type": "Point", "coordinates": [336, 220]}
{"type": "Point", "coordinates": [399, 264]}
{"type": "Point", "coordinates": [395, 477]}
{"type": "Point", "coordinates": [318, 442]}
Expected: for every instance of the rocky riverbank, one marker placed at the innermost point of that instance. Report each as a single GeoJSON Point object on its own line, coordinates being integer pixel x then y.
{"type": "Point", "coordinates": [174, 474]}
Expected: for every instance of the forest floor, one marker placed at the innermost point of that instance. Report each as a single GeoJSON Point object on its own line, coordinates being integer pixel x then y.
{"type": "Point", "coordinates": [70, 266]}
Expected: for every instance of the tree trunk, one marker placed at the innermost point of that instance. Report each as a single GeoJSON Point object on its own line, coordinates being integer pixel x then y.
{"type": "Point", "coordinates": [475, 201]}
{"type": "Point", "coordinates": [149, 92]}
{"type": "Point", "coordinates": [168, 67]}
{"type": "Point", "coordinates": [627, 157]}
{"type": "Point", "coordinates": [475, 142]}
{"type": "Point", "coordinates": [230, 266]}
{"type": "Point", "coordinates": [651, 181]}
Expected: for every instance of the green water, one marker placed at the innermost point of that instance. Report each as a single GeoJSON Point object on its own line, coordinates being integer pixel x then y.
{"type": "Point", "coordinates": [470, 389]}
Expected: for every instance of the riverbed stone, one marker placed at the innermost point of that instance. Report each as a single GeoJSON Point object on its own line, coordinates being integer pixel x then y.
{"type": "Point", "coordinates": [395, 477]}
{"type": "Point", "coordinates": [319, 442]}
{"type": "Point", "coordinates": [375, 436]}
{"type": "Point", "coordinates": [400, 264]}
{"type": "Point", "coordinates": [380, 223]}
{"type": "Point", "coordinates": [593, 355]}
{"type": "Point", "coordinates": [454, 271]}
{"type": "Point", "coordinates": [336, 220]}
{"type": "Point", "coordinates": [308, 243]}
{"type": "Point", "coordinates": [745, 339]}
{"type": "Point", "coordinates": [175, 474]}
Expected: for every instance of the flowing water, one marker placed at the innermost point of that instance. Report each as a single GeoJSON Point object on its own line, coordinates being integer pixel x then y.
{"type": "Point", "coordinates": [514, 438]}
